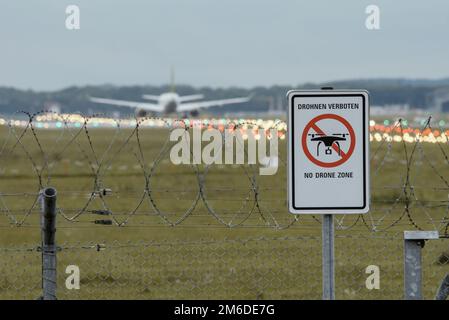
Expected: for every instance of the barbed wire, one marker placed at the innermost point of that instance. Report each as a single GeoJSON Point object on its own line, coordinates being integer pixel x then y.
{"type": "Point", "coordinates": [115, 244]}
{"type": "Point", "coordinates": [91, 146]}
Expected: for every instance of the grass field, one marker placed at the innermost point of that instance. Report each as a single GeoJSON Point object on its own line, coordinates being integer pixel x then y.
{"type": "Point", "coordinates": [201, 257]}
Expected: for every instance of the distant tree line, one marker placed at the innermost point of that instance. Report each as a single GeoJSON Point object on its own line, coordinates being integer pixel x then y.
{"type": "Point", "coordinates": [416, 93]}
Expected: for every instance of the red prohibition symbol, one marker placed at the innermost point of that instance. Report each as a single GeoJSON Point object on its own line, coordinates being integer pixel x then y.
{"type": "Point", "coordinates": [344, 156]}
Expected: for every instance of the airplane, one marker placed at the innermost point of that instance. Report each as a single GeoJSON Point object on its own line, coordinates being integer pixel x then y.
{"type": "Point", "coordinates": [170, 102]}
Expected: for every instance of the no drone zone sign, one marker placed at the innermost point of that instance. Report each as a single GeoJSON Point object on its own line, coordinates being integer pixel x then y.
{"type": "Point", "coordinates": [328, 152]}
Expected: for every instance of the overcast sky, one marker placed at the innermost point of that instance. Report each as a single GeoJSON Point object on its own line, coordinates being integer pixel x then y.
{"type": "Point", "coordinates": [219, 43]}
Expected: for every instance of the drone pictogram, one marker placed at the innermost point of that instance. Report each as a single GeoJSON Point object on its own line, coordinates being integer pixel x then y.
{"type": "Point", "coordinates": [328, 141]}
{"type": "Point", "coordinates": [338, 147]}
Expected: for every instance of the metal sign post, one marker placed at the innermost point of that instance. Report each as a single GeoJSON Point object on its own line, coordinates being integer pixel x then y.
{"type": "Point", "coordinates": [328, 257]}
{"type": "Point", "coordinates": [328, 161]}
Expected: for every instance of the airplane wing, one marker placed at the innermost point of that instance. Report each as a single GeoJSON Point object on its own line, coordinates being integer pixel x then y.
{"type": "Point", "coordinates": [213, 103]}
{"type": "Point", "coordinates": [130, 104]}
{"type": "Point", "coordinates": [191, 97]}
{"type": "Point", "coordinates": [150, 97]}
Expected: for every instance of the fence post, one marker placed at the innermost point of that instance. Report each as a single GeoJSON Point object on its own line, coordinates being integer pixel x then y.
{"type": "Point", "coordinates": [443, 290]}
{"type": "Point", "coordinates": [413, 244]}
{"type": "Point", "coordinates": [48, 221]}
{"type": "Point", "coordinates": [328, 257]}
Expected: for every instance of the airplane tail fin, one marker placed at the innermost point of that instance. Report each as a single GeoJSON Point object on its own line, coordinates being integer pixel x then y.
{"type": "Point", "coordinates": [172, 79]}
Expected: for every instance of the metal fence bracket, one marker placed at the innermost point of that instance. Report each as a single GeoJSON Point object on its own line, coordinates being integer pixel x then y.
{"type": "Point", "coordinates": [413, 243]}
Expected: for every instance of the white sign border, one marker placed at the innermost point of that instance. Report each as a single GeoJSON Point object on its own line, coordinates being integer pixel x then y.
{"type": "Point", "coordinates": [334, 210]}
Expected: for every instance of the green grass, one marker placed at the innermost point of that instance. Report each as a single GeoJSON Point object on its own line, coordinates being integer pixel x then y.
{"type": "Point", "coordinates": [202, 258]}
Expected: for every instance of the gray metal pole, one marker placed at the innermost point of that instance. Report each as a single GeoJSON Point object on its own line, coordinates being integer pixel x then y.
{"type": "Point", "coordinates": [412, 269]}
{"type": "Point", "coordinates": [328, 257]}
{"type": "Point", "coordinates": [443, 290]}
{"type": "Point", "coordinates": [413, 244]}
{"type": "Point", "coordinates": [48, 221]}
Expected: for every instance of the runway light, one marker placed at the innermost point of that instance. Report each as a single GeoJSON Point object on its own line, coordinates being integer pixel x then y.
{"type": "Point", "coordinates": [386, 130]}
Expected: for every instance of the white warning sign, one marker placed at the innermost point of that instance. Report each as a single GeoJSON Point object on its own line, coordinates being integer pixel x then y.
{"type": "Point", "coordinates": [328, 152]}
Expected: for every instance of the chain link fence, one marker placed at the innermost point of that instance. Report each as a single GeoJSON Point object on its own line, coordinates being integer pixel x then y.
{"type": "Point", "coordinates": [138, 226]}
{"type": "Point", "coordinates": [252, 268]}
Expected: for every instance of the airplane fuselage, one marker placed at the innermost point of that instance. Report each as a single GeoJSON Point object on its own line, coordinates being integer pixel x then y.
{"type": "Point", "coordinates": [169, 102]}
